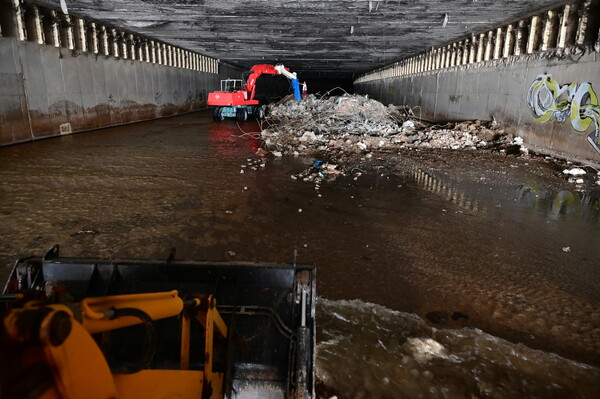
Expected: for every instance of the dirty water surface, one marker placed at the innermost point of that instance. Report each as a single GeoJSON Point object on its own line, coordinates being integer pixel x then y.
{"type": "Point", "coordinates": [440, 274]}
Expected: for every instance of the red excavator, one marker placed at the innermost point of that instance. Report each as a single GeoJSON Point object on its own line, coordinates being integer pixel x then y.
{"type": "Point", "coordinates": [239, 102]}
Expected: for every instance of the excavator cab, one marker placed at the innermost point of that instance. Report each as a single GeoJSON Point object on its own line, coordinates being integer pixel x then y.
{"type": "Point", "coordinates": [231, 85]}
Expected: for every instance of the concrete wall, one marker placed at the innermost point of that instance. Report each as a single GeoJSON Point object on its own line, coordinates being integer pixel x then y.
{"type": "Point", "coordinates": [47, 91]}
{"type": "Point", "coordinates": [498, 89]}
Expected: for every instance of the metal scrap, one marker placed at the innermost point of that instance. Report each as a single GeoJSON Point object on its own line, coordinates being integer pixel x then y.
{"type": "Point", "coordinates": [358, 124]}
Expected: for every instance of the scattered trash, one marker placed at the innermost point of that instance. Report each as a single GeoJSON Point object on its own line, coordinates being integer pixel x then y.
{"type": "Point", "coordinates": [425, 349]}
{"type": "Point", "coordinates": [566, 249]}
{"type": "Point", "coordinates": [261, 152]}
{"type": "Point", "coordinates": [308, 137]}
{"type": "Point", "coordinates": [408, 125]}
{"type": "Point", "coordinates": [319, 172]}
{"type": "Point", "coordinates": [87, 232]}
{"type": "Point", "coordinates": [231, 253]}
{"type": "Point", "coordinates": [574, 172]}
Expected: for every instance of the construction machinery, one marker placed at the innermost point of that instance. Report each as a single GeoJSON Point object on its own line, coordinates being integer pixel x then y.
{"type": "Point", "coordinates": [243, 98]}
{"type": "Point", "coordinates": [96, 328]}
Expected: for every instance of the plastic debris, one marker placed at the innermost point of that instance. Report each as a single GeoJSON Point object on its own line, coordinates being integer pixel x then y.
{"type": "Point", "coordinates": [319, 171]}
{"type": "Point", "coordinates": [85, 231]}
{"type": "Point", "coordinates": [574, 172]}
{"type": "Point", "coordinates": [408, 125]}
{"type": "Point", "coordinates": [308, 137]}
{"type": "Point", "coordinates": [424, 350]}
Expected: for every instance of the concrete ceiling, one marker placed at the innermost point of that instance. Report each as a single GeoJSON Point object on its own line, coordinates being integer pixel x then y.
{"type": "Point", "coordinates": [326, 38]}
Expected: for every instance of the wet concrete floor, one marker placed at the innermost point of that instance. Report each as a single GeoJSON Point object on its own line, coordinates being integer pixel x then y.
{"type": "Point", "coordinates": [507, 246]}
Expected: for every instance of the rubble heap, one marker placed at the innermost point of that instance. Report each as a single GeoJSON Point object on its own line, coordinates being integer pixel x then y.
{"type": "Point", "coordinates": [353, 123]}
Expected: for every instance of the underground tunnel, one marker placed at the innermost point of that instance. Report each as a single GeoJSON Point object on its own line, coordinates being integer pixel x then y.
{"type": "Point", "coordinates": [437, 162]}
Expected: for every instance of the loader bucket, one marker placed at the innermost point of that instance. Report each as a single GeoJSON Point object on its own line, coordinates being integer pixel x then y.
{"type": "Point", "coordinates": [269, 311]}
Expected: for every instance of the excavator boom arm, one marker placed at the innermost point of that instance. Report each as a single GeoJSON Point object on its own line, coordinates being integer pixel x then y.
{"type": "Point", "coordinates": [258, 70]}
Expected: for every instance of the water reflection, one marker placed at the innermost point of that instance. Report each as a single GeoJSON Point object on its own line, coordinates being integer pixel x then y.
{"type": "Point", "coordinates": [562, 204]}
{"type": "Point", "coordinates": [477, 198]}
{"type": "Point", "coordinates": [229, 141]}
{"type": "Point", "coordinates": [447, 189]}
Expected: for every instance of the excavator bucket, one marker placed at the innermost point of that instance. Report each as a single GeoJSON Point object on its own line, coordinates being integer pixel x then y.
{"type": "Point", "coordinates": [265, 314]}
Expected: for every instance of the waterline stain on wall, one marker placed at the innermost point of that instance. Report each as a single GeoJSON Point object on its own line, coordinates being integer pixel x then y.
{"type": "Point", "coordinates": [577, 101]}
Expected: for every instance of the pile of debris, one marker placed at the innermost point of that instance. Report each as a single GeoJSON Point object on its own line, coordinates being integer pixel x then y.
{"type": "Point", "coordinates": [357, 124]}
{"type": "Point", "coordinates": [470, 135]}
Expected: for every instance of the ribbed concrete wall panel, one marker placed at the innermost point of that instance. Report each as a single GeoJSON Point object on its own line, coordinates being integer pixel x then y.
{"type": "Point", "coordinates": [86, 86]}
{"type": "Point", "coordinates": [111, 72]}
{"type": "Point", "coordinates": [36, 87]}
{"type": "Point", "coordinates": [48, 91]}
{"type": "Point", "coordinates": [428, 93]}
{"type": "Point", "coordinates": [448, 84]}
{"type": "Point", "coordinates": [98, 111]}
{"type": "Point", "coordinates": [73, 102]}
{"type": "Point", "coordinates": [14, 121]}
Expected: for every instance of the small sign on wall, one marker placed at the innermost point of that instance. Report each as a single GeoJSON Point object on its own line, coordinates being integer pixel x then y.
{"type": "Point", "coordinates": [65, 128]}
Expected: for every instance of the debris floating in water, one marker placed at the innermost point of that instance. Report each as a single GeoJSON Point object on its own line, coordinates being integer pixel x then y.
{"type": "Point", "coordinates": [424, 349]}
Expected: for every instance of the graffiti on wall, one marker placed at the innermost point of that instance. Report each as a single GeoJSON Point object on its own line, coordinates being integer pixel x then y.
{"type": "Point", "coordinates": [576, 102]}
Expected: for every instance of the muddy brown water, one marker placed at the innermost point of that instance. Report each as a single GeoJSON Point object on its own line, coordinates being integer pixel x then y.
{"type": "Point", "coordinates": [433, 282]}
